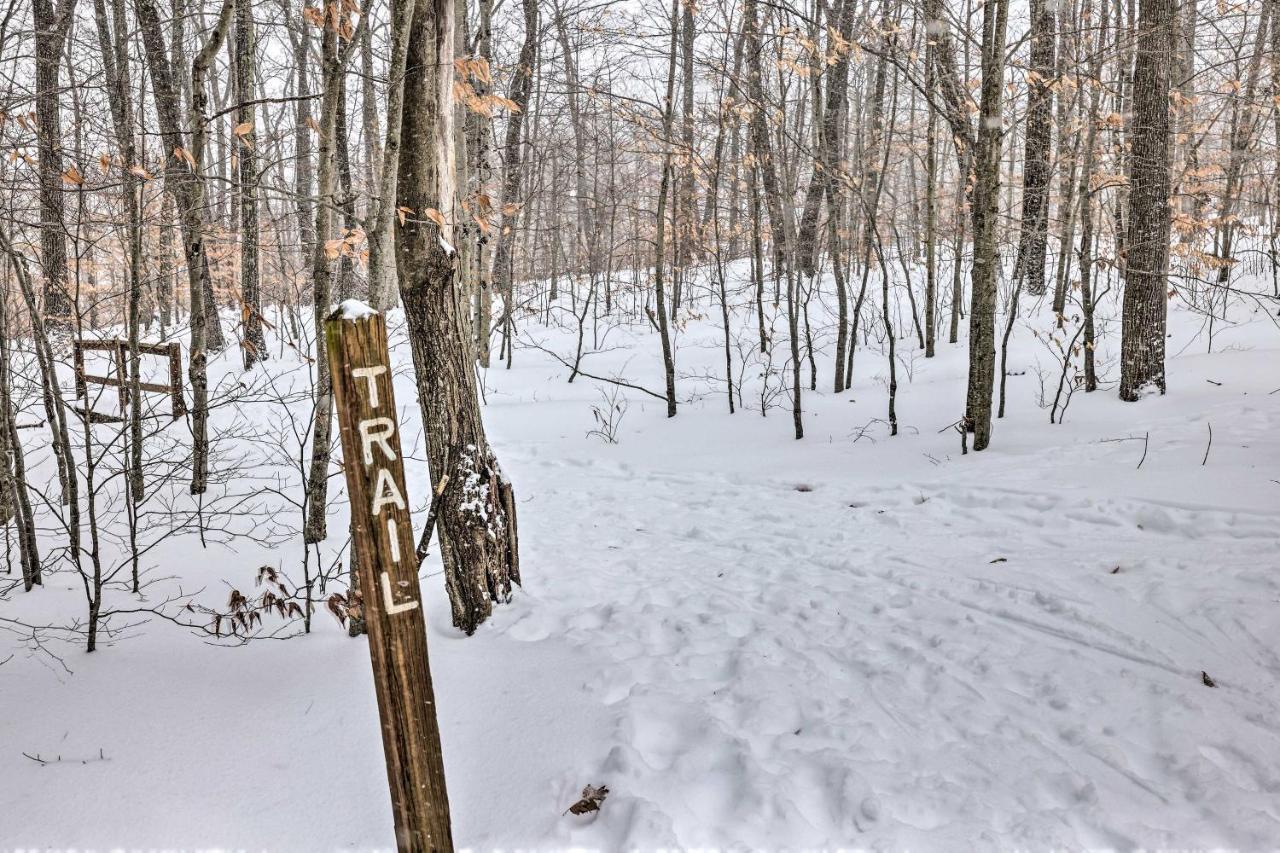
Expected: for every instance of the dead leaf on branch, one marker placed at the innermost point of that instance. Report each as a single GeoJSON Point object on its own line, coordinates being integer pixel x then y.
{"type": "Point", "coordinates": [591, 799]}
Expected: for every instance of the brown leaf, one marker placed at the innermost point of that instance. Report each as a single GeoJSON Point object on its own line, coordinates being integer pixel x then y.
{"type": "Point", "coordinates": [434, 215]}
{"type": "Point", "coordinates": [591, 799]}
{"type": "Point", "coordinates": [73, 176]}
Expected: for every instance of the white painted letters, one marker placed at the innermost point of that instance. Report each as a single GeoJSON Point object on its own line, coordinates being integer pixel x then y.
{"type": "Point", "coordinates": [386, 492]}
{"type": "Point", "coordinates": [369, 374]}
{"type": "Point", "coordinates": [376, 431]}
{"type": "Point", "coordinates": [388, 600]}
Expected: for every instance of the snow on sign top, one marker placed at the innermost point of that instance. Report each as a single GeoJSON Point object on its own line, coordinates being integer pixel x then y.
{"type": "Point", "coordinates": [354, 309]}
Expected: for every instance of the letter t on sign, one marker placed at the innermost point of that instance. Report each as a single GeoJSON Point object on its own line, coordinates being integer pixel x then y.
{"type": "Point", "coordinates": [381, 533]}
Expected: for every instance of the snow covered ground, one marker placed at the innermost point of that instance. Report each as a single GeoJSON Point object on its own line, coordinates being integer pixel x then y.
{"type": "Point", "coordinates": [847, 641]}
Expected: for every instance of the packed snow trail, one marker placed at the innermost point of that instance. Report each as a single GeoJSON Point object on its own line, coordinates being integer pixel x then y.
{"type": "Point", "coordinates": [790, 670]}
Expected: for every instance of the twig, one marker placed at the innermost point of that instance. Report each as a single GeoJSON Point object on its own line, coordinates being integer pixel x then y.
{"type": "Point", "coordinates": [582, 372]}
{"type": "Point", "coordinates": [1207, 446]}
{"type": "Point", "coordinates": [1146, 440]}
{"type": "Point", "coordinates": [424, 542]}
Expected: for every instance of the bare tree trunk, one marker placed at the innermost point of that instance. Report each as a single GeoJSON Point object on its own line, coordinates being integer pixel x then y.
{"type": "Point", "coordinates": [1142, 342]}
{"type": "Point", "coordinates": [51, 26]}
{"type": "Point", "coordinates": [382, 262]}
{"type": "Point", "coordinates": [302, 128]}
{"type": "Point", "coordinates": [183, 180]}
{"type": "Point", "coordinates": [254, 345]}
{"type": "Point", "coordinates": [659, 252]}
{"type": "Point", "coordinates": [930, 211]}
{"type": "Point", "coordinates": [824, 183]}
{"type": "Point", "coordinates": [513, 172]}
{"type": "Point", "coordinates": [584, 205]}
{"type": "Point", "coordinates": [477, 520]}
{"type": "Point", "coordinates": [779, 219]}
{"type": "Point", "coordinates": [55, 411]}
{"type": "Point", "coordinates": [1036, 171]}
{"type": "Point", "coordinates": [685, 220]}
{"type": "Point", "coordinates": [479, 137]}
{"type": "Point", "coordinates": [1087, 292]}
{"type": "Point", "coordinates": [1245, 118]}
{"type": "Point", "coordinates": [115, 61]}
{"type": "Point", "coordinates": [15, 502]}
{"type": "Point", "coordinates": [985, 213]}
{"type": "Point", "coordinates": [166, 287]}
{"type": "Point", "coordinates": [328, 247]}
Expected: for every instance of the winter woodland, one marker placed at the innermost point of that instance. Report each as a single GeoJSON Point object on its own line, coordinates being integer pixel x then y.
{"type": "Point", "coordinates": [623, 425]}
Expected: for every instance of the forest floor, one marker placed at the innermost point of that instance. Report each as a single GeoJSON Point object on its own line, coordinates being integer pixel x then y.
{"type": "Point", "coordinates": [852, 640]}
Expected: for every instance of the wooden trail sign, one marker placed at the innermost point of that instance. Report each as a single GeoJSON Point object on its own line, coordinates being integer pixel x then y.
{"type": "Point", "coordinates": [383, 553]}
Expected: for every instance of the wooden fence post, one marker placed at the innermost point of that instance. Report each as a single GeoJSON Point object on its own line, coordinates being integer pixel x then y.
{"type": "Point", "coordinates": [383, 553]}
{"type": "Point", "coordinates": [179, 404]}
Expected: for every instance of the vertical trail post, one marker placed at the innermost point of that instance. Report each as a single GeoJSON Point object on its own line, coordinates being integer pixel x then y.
{"type": "Point", "coordinates": [383, 553]}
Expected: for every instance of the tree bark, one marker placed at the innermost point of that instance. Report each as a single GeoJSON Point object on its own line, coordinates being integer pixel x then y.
{"type": "Point", "coordinates": [1142, 342]}
{"type": "Point", "coordinates": [183, 181]}
{"type": "Point", "coordinates": [985, 212]}
{"type": "Point", "coordinates": [254, 345]}
{"type": "Point", "coordinates": [334, 58]}
{"type": "Point", "coordinates": [510, 201]}
{"type": "Point", "coordinates": [660, 244]}
{"type": "Point", "coordinates": [1036, 170]}
{"type": "Point", "coordinates": [51, 26]}
{"type": "Point", "coordinates": [477, 521]}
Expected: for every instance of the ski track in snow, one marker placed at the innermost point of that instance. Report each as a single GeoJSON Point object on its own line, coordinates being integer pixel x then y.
{"type": "Point", "coordinates": [754, 642]}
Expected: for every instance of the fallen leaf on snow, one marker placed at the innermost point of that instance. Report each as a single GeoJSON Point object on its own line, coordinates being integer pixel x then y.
{"type": "Point", "coordinates": [591, 799]}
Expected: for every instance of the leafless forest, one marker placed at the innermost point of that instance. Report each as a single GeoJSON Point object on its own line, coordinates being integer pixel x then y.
{"type": "Point", "coordinates": [882, 171]}
{"type": "Point", "coordinates": [746, 207]}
